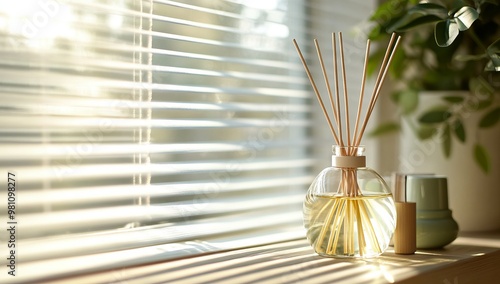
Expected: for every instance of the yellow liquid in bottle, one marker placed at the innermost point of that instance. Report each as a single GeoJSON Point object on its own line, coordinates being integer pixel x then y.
{"type": "Point", "coordinates": [340, 226]}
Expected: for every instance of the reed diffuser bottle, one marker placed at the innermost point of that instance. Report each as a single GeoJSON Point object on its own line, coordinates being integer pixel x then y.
{"type": "Point", "coordinates": [349, 210]}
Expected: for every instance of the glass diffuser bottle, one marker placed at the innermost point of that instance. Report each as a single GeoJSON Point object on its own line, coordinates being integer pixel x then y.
{"type": "Point", "coordinates": [349, 210]}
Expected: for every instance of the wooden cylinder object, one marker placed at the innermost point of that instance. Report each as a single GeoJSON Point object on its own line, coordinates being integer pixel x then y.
{"type": "Point", "coordinates": [405, 235]}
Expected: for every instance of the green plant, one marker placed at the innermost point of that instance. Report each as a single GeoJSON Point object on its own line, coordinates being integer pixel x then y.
{"type": "Point", "coordinates": [447, 45]}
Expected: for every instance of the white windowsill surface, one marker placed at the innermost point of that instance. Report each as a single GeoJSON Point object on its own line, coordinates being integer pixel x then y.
{"type": "Point", "coordinates": [472, 258]}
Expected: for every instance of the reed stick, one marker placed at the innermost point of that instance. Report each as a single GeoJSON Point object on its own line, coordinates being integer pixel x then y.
{"type": "Point", "coordinates": [337, 224]}
{"type": "Point", "coordinates": [316, 91]}
{"type": "Point", "coordinates": [346, 100]}
{"type": "Point", "coordinates": [337, 93]}
{"type": "Point", "coordinates": [327, 83]}
{"type": "Point", "coordinates": [361, 235]}
{"type": "Point", "coordinates": [378, 84]}
{"type": "Point", "coordinates": [386, 69]}
{"type": "Point", "coordinates": [325, 228]}
{"type": "Point", "coordinates": [368, 210]}
{"type": "Point", "coordinates": [361, 93]}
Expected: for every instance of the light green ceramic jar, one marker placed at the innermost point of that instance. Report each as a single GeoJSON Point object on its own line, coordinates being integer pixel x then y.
{"type": "Point", "coordinates": [436, 227]}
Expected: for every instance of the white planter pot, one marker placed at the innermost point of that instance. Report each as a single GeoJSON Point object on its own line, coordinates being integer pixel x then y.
{"type": "Point", "coordinates": [474, 196]}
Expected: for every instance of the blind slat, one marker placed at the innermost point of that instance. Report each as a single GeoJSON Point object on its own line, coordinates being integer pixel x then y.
{"type": "Point", "coordinates": [30, 151]}
{"type": "Point", "coordinates": [96, 195]}
{"type": "Point", "coordinates": [74, 170]}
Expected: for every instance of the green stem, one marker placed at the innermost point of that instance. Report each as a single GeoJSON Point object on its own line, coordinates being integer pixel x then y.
{"type": "Point", "coordinates": [474, 37]}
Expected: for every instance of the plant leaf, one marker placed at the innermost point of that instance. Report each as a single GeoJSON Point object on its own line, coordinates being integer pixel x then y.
{"type": "Point", "coordinates": [459, 130]}
{"type": "Point", "coordinates": [482, 158]}
{"type": "Point", "coordinates": [419, 14]}
{"type": "Point", "coordinates": [426, 132]}
{"type": "Point", "coordinates": [385, 128]}
{"type": "Point", "coordinates": [387, 8]}
{"type": "Point", "coordinates": [484, 104]}
{"type": "Point", "coordinates": [469, 57]}
{"type": "Point", "coordinates": [490, 119]}
{"type": "Point", "coordinates": [493, 52]}
{"type": "Point", "coordinates": [446, 32]}
{"type": "Point", "coordinates": [490, 66]}
{"type": "Point", "coordinates": [399, 63]}
{"type": "Point", "coordinates": [482, 95]}
{"type": "Point", "coordinates": [408, 101]}
{"type": "Point", "coordinates": [494, 47]}
{"type": "Point", "coordinates": [446, 142]}
{"type": "Point", "coordinates": [430, 7]}
{"type": "Point", "coordinates": [479, 87]}
{"type": "Point", "coordinates": [454, 99]}
{"type": "Point", "coordinates": [373, 63]}
{"type": "Point", "coordinates": [434, 116]}
{"type": "Point", "coordinates": [412, 21]}
{"type": "Point", "coordinates": [465, 17]}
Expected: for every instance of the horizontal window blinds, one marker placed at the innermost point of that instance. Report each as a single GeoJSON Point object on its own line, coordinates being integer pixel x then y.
{"type": "Point", "coordinates": [145, 130]}
{"type": "Point", "coordinates": [151, 129]}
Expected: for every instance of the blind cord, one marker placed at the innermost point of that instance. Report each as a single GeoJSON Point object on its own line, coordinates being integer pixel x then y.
{"type": "Point", "coordinates": [150, 97]}
{"type": "Point", "coordinates": [143, 157]}
{"type": "Point", "coordinates": [136, 77]}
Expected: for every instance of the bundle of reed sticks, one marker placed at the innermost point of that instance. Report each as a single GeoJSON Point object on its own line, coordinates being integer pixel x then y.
{"type": "Point", "coordinates": [348, 225]}
{"type": "Point", "coordinates": [335, 103]}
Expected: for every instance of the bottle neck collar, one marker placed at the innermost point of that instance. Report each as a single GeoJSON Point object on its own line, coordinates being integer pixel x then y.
{"type": "Point", "coordinates": [348, 161]}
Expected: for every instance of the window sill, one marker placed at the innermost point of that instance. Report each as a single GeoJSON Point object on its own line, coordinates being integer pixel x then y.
{"type": "Point", "coordinates": [471, 258]}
